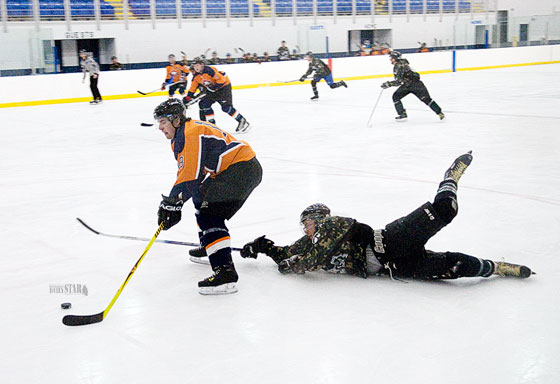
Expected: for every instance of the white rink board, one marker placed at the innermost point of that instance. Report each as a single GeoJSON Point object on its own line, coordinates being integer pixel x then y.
{"type": "Point", "coordinates": [64, 86]}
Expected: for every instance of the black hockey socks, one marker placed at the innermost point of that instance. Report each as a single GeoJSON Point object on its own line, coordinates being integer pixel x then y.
{"type": "Point", "coordinates": [400, 108]}
{"type": "Point", "coordinates": [445, 202]}
{"type": "Point", "coordinates": [434, 107]}
{"type": "Point", "coordinates": [469, 266]}
{"type": "Point", "coordinates": [453, 265]}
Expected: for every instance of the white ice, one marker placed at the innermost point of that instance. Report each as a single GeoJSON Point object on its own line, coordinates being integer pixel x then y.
{"type": "Point", "coordinates": [65, 161]}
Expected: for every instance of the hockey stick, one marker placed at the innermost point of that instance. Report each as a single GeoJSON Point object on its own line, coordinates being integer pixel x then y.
{"type": "Point", "coordinates": [291, 81]}
{"type": "Point", "coordinates": [195, 100]}
{"type": "Point", "coordinates": [375, 106]}
{"type": "Point", "coordinates": [74, 320]}
{"type": "Point", "coordinates": [184, 243]}
{"type": "Point", "coordinates": [159, 89]}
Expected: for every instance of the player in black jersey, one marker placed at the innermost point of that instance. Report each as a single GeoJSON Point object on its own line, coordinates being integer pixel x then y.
{"type": "Point", "coordinates": [320, 71]}
{"type": "Point", "coordinates": [343, 245]}
{"type": "Point", "coordinates": [408, 82]}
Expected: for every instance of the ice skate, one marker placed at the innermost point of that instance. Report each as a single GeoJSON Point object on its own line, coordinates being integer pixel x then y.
{"type": "Point", "coordinates": [223, 281]}
{"type": "Point", "coordinates": [198, 255]}
{"type": "Point", "coordinates": [401, 117]}
{"type": "Point", "coordinates": [316, 97]}
{"type": "Point", "coordinates": [506, 269]}
{"type": "Point", "coordinates": [441, 116]}
{"type": "Point", "coordinates": [458, 167]}
{"type": "Point", "coordinates": [343, 83]}
{"type": "Point", "coordinates": [93, 102]}
{"type": "Point", "coordinates": [243, 126]}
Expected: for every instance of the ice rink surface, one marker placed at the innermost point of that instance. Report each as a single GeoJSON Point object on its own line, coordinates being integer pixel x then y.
{"type": "Point", "coordinates": [60, 162]}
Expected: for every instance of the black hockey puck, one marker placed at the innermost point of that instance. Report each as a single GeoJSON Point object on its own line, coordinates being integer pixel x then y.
{"type": "Point", "coordinates": [65, 305]}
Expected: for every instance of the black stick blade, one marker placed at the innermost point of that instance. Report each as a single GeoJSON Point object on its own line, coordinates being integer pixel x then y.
{"type": "Point", "coordinates": [142, 93]}
{"type": "Point", "coordinates": [74, 320]}
{"type": "Point", "coordinates": [87, 226]}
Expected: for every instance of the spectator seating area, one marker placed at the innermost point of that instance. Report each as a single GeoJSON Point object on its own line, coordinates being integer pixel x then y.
{"type": "Point", "coordinates": [54, 9]}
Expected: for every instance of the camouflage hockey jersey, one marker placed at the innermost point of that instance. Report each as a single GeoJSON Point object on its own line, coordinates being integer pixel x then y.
{"type": "Point", "coordinates": [403, 74]}
{"type": "Point", "coordinates": [339, 246]}
{"type": "Point", "coordinates": [318, 67]}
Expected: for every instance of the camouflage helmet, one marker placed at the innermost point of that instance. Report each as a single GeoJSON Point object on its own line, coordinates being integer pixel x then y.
{"type": "Point", "coordinates": [314, 212]}
{"type": "Point", "coordinates": [172, 109]}
{"type": "Point", "coordinates": [396, 55]}
{"type": "Point", "coordinates": [198, 60]}
{"type": "Point", "coordinates": [309, 54]}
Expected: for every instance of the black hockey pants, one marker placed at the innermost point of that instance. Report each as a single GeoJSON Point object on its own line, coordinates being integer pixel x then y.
{"type": "Point", "coordinates": [406, 256]}
{"type": "Point", "coordinates": [420, 91]}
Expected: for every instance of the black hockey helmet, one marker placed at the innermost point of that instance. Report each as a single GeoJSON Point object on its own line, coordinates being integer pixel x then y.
{"type": "Point", "coordinates": [395, 55]}
{"type": "Point", "coordinates": [308, 54]}
{"type": "Point", "coordinates": [171, 56]}
{"type": "Point", "coordinates": [198, 60]}
{"type": "Point", "coordinates": [172, 109]}
{"type": "Point", "coordinates": [314, 212]}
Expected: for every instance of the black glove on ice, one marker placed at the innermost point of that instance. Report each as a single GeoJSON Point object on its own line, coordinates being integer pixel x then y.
{"type": "Point", "coordinates": [259, 245]}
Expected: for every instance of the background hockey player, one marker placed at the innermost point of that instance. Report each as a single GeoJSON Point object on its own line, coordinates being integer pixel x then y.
{"type": "Point", "coordinates": [176, 73]}
{"type": "Point", "coordinates": [89, 65]}
{"type": "Point", "coordinates": [320, 71]}
{"type": "Point", "coordinates": [408, 82]}
{"type": "Point", "coordinates": [343, 245]}
{"type": "Point", "coordinates": [219, 173]}
{"type": "Point", "coordinates": [217, 88]}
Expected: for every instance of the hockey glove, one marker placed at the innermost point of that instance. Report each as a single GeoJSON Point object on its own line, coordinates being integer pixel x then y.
{"type": "Point", "coordinates": [302, 78]}
{"type": "Point", "coordinates": [259, 245]}
{"type": "Point", "coordinates": [163, 85]}
{"type": "Point", "coordinates": [186, 101]}
{"type": "Point", "coordinates": [385, 85]}
{"type": "Point", "coordinates": [290, 265]}
{"type": "Point", "coordinates": [169, 211]}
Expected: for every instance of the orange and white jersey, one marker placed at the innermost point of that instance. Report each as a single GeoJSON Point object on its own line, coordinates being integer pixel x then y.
{"type": "Point", "coordinates": [202, 149]}
{"type": "Point", "coordinates": [210, 78]}
{"type": "Point", "coordinates": [175, 72]}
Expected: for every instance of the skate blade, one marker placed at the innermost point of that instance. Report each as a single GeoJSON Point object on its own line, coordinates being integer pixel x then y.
{"type": "Point", "coordinates": [244, 130]}
{"type": "Point", "coordinates": [224, 289]}
{"type": "Point", "coordinates": [200, 260]}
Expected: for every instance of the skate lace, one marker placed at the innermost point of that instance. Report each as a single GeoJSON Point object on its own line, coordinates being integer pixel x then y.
{"type": "Point", "coordinates": [458, 171]}
{"type": "Point", "coordinates": [507, 269]}
{"type": "Point", "coordinates": [387, 265]}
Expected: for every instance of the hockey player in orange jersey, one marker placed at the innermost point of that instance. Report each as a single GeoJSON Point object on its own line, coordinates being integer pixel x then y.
{"type": "Point", "coordinates": [217, 88]}
{"type": "Point", "coordinates": [176, 77]}
{"type": "Point", "coordinates": [219, 173]}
